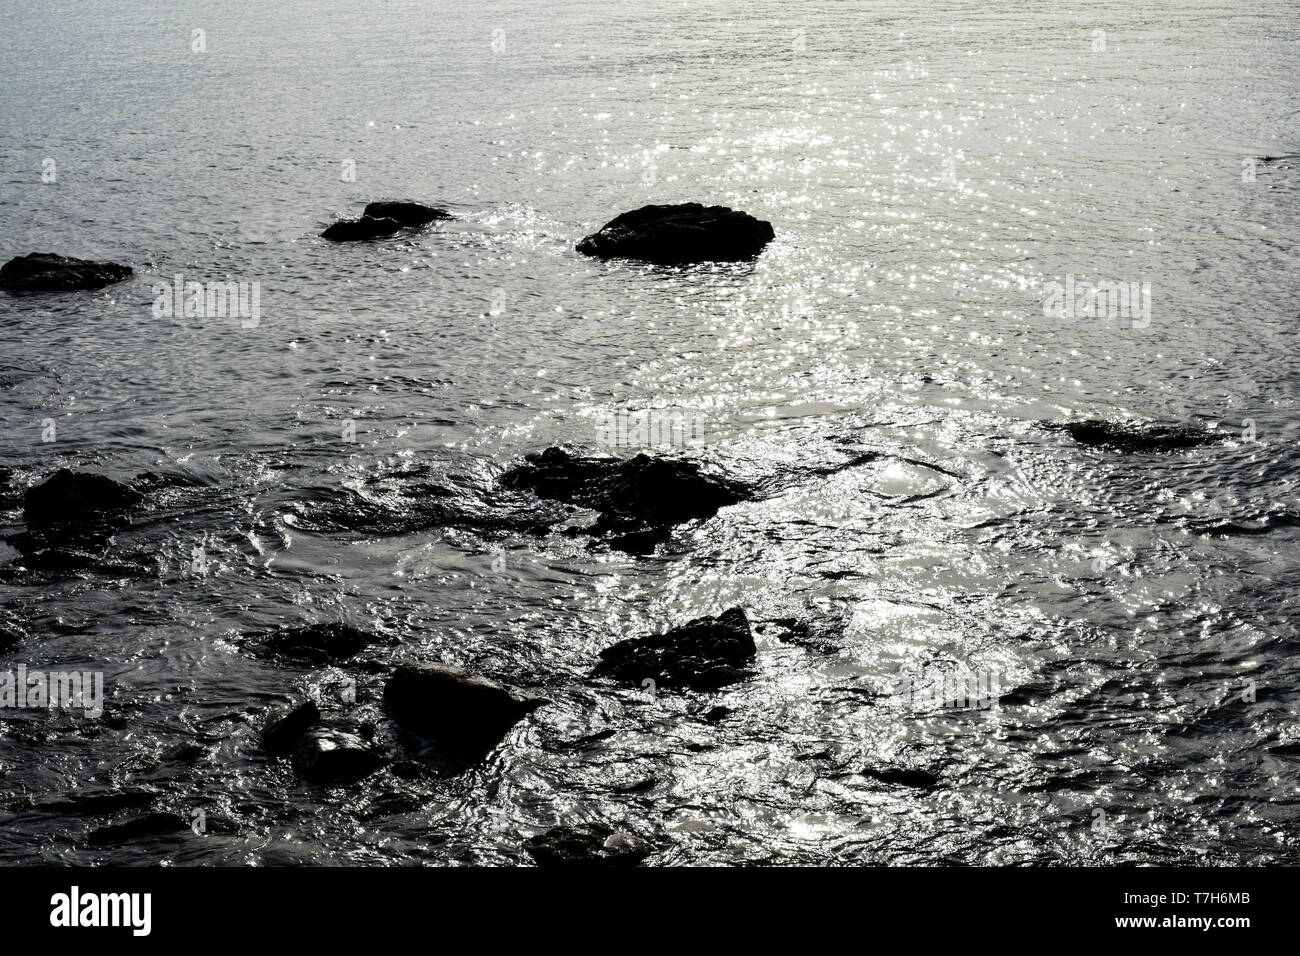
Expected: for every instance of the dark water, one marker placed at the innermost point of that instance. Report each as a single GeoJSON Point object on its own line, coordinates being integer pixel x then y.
{"type": "Point", "coordinates": [928, 173]}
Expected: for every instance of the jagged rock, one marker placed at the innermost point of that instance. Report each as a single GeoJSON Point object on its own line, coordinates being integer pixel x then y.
{"type": "Point", "coordinates": [463, 715]}
{"type": "Point", "coordinates": [47, 272]}
{"type": "Point", "coordinates": [640, 498]}
{"type": "Point", "coordinates": [358, 230]}
{"type": "Point", "coordinates": [316, 644]}
{"type": "Point", "coordinates": [1136, 436]}
{"type": "Point", "coordinates": [587, 844]}
{"type": "Point", "coordinates": [703, 654]}
{"type": "Point", "coordinates": [333, 755]}
{"type": "Point", "coordinates": [679, 234]}
{"type": "Point", "coordinates": [409, 214]}
{"type": "Point", "coordinates": [281, 735]}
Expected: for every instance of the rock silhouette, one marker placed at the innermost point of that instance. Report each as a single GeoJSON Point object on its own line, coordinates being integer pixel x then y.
{"type": "Point", "coordinates": [381, 219]}
{"type": "Point", "coordinates": [280, 736]}
{"type": "Point", "coordinates": [47, 272]}
{"type": "Point", "coordinates": [903, 776]}
{"type": "Point", "coordinates": [317, 644]}
{"type": "Point", "coordinates": [680, 234]}
{"type": "Point", "coordinates": [359, 230]}
{"type": "Point", "coordinates": [703, 654]}
{"type": "Point", "coordinates": [409, 214]}
{"type": "Point", "coordinates": [1136, 437]}
{"type": "Point", "coordinates": [640, 498]}
{"type": "Point", "coordinates": [72, 505]}
{"type": "Point", "coordinates": [464, 716]}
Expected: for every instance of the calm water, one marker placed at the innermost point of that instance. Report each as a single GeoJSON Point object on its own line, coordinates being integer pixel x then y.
{"type": "Point", "coordinates": [927, 172]}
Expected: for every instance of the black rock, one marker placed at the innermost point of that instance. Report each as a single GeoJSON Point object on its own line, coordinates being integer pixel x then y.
{"type": "Point", "coordinates": [629, 534]}
{"type": "Point", "coordinates": [703, 654]}
{"type": "Point", "coordinates": [1138, 437]}
{"type": "Point", "coordinates": [902, 776]}
{"type": "Point", "coordinates": [357, 230]}
{"type": "Point", "coordinates": [69, 518]}
{"type": "Point", "coordinates": [317, 644]}
{"type": "Point", "coordinates": [333, 755]}
{"type": "Point", "coordinates": [281, 735]}
{"type": "Point", "coordinates": [409, 214]}
{"type": "Point", "coordinates": [587, 844]}
{"type": "Point", "coordinates": [640, 498]}
{"type": "Point", "coordinates": [69, 497]}
{"type": "Point", "coordinates": [47, 272]}
{"type": "Point", "coordinates": [463, 715]}
{"type": "Point", "coordinates": [674, 235]}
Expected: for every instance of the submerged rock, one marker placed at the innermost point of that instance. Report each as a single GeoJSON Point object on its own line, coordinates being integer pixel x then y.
{"type": "Point", "coordinates": [407, 213]}
{"type": "Point", "coordinates": [333, 755]}
{"type": "Point", "coordinates": [902, 776]}
{"type": "Point", "coordinates": [47, 272]}
{"type": "Point", "coordinates": [1136, 436]}
{"type": "Point", "coordinates": [640, 498]}
{"type": "Point", "coordinates": [463, 715]}
{"type": "Point", "coordinates": [703, 654]}
{"type": "Point", "coordinates": [317, 644]}
{"type": "Point", "coordinates": [69, 497]}
{"type": "Point", "coordinates": [680, 234]}
{"type": "Point", "coordinates": [359, 230]}
{"type": "Point", "coordinates": [280, 736]}
{"type": "Point", "coordinates": [587, 844]}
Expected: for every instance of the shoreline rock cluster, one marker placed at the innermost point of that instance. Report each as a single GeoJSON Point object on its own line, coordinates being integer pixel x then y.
{"type": "Point", "coordinates": [677, 234]}
{"type": "Point", "coordinates": [455, 719]}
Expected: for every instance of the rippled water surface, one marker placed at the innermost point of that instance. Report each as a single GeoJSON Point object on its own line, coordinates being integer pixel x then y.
{"type": "Point", "coordinates": [880, 372]}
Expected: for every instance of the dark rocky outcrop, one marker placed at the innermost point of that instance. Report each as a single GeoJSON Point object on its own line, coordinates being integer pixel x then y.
{"type": "Point", "coordinates": [315, 644]}
{"type": "Point", "coordinates": [640, 498]}
{"type": "Point", "coordinates": [359, 230]}
{"type": "Point", "coordinates": [703, 654]}
{"type": "Point", "coordinates": [680, 234]}
{"type": "Point", "coordinates": [587, 844]}
{"type": "Point", "coordinates": [1139, 437]}
{"type": "Point", "coordinates": [70, 517]}
{"type": "Point", "coordinates": [47, 272]}
{"type": "Point", "coordinates": [409, 214]}
{"type": "Point", "coordinates": [383, 219]}
{"type": "Point", "coordinates": [77, 499]}
{"type": "Point", "coordinates": [464, 716]}
{"type": "Point", "coordinates": [280, 736]}
{"type": "Point", "coordinates": [326, 755]}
